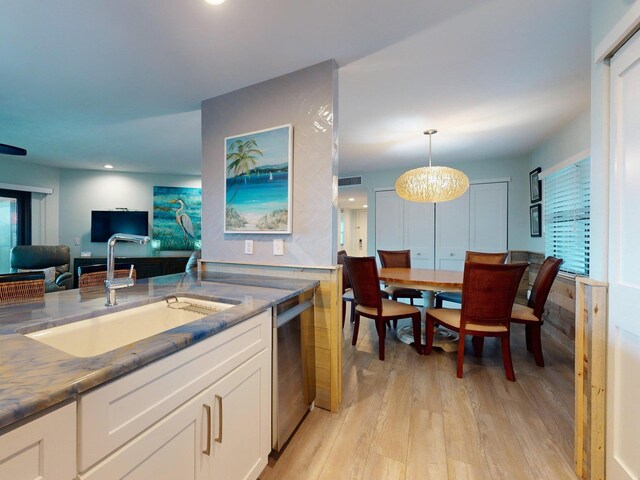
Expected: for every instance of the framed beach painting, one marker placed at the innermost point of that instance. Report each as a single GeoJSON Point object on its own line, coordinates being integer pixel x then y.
{"type": "Point", "coordinates": [177, 218]}
{"type": "Point", "coordinates": [258, 181]}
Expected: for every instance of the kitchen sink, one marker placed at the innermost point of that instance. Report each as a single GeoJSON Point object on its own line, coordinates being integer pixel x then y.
{"type": "Point", "coordinates": [97, 335]}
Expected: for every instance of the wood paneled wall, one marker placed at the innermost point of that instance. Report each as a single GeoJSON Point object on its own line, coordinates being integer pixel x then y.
{"type": "Point", "coordinates": [322, 332]}
{"type": "Point", "coordinates": [590, 377]}
{"type": "Point", "coordinates": [560, 309]}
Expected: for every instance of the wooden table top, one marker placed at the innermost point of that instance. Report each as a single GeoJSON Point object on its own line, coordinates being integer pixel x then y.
{"type": "Point", "coordinates": [422, 278]}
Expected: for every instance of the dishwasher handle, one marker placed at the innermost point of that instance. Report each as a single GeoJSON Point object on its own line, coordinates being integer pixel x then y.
{"type": "Point", "coordinates": [288, 315]}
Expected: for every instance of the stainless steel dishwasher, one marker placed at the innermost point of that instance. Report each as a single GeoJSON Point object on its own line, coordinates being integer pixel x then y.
{"type": "Point", "coordinates": [289, 402]}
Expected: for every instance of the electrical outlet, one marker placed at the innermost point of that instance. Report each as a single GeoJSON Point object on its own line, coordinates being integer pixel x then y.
{"type": "Point", "coordinates": [278, 246]}
{"type": "Point", "coordinates": [248, 247]}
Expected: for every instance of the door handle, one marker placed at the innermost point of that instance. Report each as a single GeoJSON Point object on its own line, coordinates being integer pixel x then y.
{"type": "Point", "coordinates": [219, 437]}
{"type": "Point", "coordinates": [207, 451]}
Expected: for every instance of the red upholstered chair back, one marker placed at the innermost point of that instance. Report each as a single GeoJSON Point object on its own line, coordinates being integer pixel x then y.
{"type": "Point", "coordinates": [346, 283]}
{"type": "Point", "coordinates": [395, 258]}
{"type": "Point", "coordinates": [488, 292]}
{"type": "Point", "coordinates": [482, 257]}
{"type": "Point", "coordinates": [542, 286]}
{"type": "Point", "coordinates": [365, 282]}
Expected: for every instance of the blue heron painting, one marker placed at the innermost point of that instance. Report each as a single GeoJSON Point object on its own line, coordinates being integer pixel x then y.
{"type": "Point", "coordinates": [258, 181]}
{"type": "Point", "coordinates": [177, 213]}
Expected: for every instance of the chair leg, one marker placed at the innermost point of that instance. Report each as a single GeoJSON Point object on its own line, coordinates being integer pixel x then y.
{"type": "Point", "coordinates": [460, 354]}
{"type": "Point", "coordinates": [382, 333]}
{"type": "Point", "coordinates": [478, 345]}
{"type": "Point", "coordinates": [430, 326]}
{"type": "Point", "coordinates": [417, 333]}
{"type": "Point", "coordinates": [411, 300]}
{"type": "Point", "coordinates": [527, 333]}
{"type": "Point", "coordinates": [353, 312]}
{"type": "Point", "coordinates": [438, 303]}
{"type": "Point", "coordinates": [356, 327]}
{"type": "Point", "coordinates": [506, 358]}
{"type": "Point", "coordinates": [344, 312]}
{"type": "Point", "coordinates": [536, 344]}
{"type": "Point", "coordinates": [395, 324]}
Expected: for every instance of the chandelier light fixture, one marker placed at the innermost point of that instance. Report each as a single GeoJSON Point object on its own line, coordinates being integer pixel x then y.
{"type": "Point", "coordinates": [432, 184]}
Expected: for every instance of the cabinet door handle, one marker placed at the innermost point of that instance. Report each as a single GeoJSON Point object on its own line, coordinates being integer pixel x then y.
{"type": "Point", "coordinates": [219, 437]}
{"type": "Point", "coordinates": [207, 451]}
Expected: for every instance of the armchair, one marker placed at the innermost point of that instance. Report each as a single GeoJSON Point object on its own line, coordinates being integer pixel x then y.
{"type": "Point", "coordinates": [26, 258]}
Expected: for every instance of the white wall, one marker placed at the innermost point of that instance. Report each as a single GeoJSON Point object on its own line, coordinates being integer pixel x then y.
{"type": "Point", "coordinates": [516, 168]}
{"type": "Point", "coordinates": [19, 171]}
{"type": "Point", "coordinates": [307, 99]}
{"type": "Point", "coordinates": [568, 142]}
{"type": "Point", "coordinates": [84, 190]}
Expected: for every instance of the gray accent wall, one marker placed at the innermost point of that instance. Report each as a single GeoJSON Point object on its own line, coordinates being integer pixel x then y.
{"type": "Point", "coordinates": [307, 99]}
{"type": "Point", "coordinates": [82, 191]}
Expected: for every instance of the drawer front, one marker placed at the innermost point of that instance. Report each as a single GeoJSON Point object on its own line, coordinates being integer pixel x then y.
{"type": "Point", "coordinates": [111, 415]}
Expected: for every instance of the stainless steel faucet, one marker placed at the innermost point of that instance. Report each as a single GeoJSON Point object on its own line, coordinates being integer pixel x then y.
{"type": "Point", "coordinates": [112, 284]}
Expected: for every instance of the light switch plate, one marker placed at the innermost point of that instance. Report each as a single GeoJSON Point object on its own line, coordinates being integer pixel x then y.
{"type": "Point", "coordinates": [278, 246]}
{"type": "Point", "coordinates": [248, 247]}
{"type": "Point", "coordinates": [76, 241]}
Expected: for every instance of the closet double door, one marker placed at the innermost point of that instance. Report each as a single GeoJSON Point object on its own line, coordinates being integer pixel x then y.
{"type": "Point", "coordinates": [438, 235]}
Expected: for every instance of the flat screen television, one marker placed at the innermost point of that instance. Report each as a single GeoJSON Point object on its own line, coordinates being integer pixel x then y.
{"type": "Point", "coordinates": [106, 223]}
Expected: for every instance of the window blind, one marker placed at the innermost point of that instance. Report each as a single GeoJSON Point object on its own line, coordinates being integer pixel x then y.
{"type": "Point", "coordinates": [567, 209]}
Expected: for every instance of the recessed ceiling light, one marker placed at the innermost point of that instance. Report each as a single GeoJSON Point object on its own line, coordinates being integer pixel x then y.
{"type": "Point", "coordinates": [352, 199]}
{"type": "Point", "coordinates": [108, 166]}
{"type": "Point", "coordinates": [215, 2]}
{"type": "Point", "coordinates": [365, 206]}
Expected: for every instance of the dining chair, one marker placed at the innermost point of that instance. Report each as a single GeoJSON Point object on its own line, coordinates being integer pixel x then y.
{"type": "Point", "coordinates": [531, 315]}
{"type": "Point", "coordinates": [398, 259]}
{"type": "Point", "coordinates": [475, 257]}
{"type": "Point", "coordinates": [363, 273]}
{"type": "Point", "coordinates": [21, 287]}
{"type": "Point", "coordinates": [488, 292]}
{"type": "Point", "coordinates": [347, 291]}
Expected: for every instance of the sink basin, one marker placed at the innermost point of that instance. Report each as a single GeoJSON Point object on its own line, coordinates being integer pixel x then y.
{"type": "Point", "coordinates": [94, 336]}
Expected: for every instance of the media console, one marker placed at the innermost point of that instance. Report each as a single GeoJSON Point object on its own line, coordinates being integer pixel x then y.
{"type": "Point", "coordinates": [145, 266]}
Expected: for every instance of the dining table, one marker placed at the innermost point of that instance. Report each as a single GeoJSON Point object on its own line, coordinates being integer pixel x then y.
{"type": "Point", "coordinates": [428, 282]}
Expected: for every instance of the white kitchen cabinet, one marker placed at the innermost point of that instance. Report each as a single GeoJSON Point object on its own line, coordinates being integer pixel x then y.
{"type": "Point", "coordinates": [242, 421]}
{"type": "Point", "coordinates": [41, 449]}
{"type": "Point", "coordinates": [222, 433]}
{"type": "Point", "coordinates": [157, 422]}
{"type": "Point", "coordinates": [174, 448]}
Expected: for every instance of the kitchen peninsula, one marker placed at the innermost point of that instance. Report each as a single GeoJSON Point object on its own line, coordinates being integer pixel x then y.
{"type": "Point", "coordinates": [123, 413]}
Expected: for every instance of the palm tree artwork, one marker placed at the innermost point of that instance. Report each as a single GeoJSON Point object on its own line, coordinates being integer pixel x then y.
{"type": "Point", "coordinates": [258, 191]}
{"type": "Point", "coordinates": [242, 158]}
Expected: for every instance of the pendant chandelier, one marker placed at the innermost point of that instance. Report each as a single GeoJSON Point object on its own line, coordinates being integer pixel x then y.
{"type": "Point", "coordinates": [432, 184]}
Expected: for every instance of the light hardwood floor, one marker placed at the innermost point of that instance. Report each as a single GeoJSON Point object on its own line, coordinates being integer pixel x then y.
{"type": "Point", "coordinates": [409, 417]}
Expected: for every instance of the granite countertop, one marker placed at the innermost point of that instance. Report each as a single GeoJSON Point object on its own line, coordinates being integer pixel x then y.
{"type": "Point", "coordinates": [34, 376]}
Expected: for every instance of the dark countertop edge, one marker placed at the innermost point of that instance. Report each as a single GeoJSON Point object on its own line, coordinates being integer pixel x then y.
{"type": "Point", "coordinates": [50, 397]}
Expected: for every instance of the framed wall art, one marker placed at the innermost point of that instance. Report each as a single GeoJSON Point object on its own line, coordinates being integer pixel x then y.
{"type": "Point", "coordinates": [535, 185]}
{"type": "Point", "coordinates": [258, 181]}
{"type": "Point", "coordinates": [535, 220]}
{"type": "Point", "coordinates": [177, 213]}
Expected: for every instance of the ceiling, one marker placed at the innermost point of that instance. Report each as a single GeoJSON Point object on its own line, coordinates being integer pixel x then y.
{"type": "Point", "coordinates": [120, 81]}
